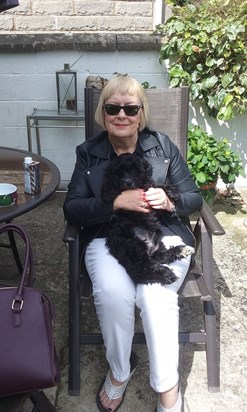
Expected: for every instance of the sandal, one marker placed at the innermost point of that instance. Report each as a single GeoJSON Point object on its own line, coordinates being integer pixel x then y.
{"type": "Point", "coordinates": [112, 391]}
{"type": "Point", "coordinates": [174, 408]}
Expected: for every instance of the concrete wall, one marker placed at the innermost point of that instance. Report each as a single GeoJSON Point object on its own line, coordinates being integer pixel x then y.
{"type": "Point", "coordinates": [27, 81]}
{"type": "Point", "coordinates": [102, 37]}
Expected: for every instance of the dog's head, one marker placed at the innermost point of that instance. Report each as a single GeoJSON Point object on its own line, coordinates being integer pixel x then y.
{"type": "Point", "coordinates": [127, 171]}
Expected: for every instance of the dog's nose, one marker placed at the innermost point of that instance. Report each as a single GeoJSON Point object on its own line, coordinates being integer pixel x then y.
{"type": "Point", "coordinates": [128, 182]}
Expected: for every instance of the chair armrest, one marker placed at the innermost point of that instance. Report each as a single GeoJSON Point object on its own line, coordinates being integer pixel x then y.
{"type": "Point", "coordinates": [71, 233]}
{"type": "Point", "coordinates": [210, 220]}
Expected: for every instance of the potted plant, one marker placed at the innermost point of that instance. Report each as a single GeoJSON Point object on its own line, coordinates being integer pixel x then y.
{"type": "Point", "coordinates": [209, 158]}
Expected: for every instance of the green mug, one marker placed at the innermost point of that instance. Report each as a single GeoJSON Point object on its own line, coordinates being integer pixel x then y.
{"type": "Point", "coordinates": [8, 194]}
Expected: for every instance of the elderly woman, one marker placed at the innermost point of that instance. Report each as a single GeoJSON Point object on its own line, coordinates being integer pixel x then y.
{"type": "Point", "coordinates": [123, 114]}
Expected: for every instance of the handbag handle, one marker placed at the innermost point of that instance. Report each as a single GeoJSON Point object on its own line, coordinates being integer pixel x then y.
{"type": "Point", "coordinates": [28, 263]}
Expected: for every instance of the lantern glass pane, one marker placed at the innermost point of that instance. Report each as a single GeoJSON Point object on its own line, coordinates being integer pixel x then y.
{"type": "Point", "coordinates": [66, 91]}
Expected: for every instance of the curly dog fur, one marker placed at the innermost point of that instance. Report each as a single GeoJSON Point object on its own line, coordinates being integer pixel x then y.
{"type": "Point", "coordinates": [135, 239]}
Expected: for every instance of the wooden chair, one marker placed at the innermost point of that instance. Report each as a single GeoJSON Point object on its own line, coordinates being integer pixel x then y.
{"type": "Point", "coordinates": [169, 114]}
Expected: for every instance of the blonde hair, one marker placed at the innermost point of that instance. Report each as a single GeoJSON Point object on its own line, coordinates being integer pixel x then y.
{"type": "Point", "coordinates": [125, 85]}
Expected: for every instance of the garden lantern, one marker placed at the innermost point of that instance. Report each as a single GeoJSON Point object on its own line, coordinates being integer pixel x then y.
{"type": "Point", "coordinates": [66, 81]}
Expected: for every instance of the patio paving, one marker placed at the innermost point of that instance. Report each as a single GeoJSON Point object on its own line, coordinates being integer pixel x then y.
{"type": "Point", "coordinates": [45, 226]}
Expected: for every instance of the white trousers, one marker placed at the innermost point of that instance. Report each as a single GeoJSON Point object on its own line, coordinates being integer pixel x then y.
{"type": "Point", "coordinates": [115, 297]}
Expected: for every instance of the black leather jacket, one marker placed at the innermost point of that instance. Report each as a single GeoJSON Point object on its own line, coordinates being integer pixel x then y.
{"type": "Point", "coordinates": [83, 205]}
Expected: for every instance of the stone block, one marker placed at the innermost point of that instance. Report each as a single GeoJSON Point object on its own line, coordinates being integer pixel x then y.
{"type": "Point", "coordinates": [6, 22]}
{"type": "Point", "coordinates": [53, 7]}
{"type": "Point", "coordinates": [77, 23]}
{"type": "Point", "coordinates": [34, 23]}
{"type": "Point", "coordinates": [115, 24]}
{"type": "Point", "coordinates": [93, 8]}
{"type": "Point", "coordinates": [143, 24]}
{"type": "Point", "coordinates": [137, 8]}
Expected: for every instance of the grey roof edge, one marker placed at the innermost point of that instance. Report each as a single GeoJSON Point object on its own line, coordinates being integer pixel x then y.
{"type": "Point", "coordinates": [45, 41]}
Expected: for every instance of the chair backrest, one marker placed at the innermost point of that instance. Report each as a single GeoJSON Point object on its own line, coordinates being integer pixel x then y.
{"type": "Point", "coordinates": [168, 107]}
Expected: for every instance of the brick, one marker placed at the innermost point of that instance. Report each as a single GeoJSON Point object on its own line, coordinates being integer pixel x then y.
{"type": "Point", "coordinates": [94, 8]}
{"type": "Point", "coordinates": [77, 23]}
{"type": "Point", "coordinates": [124, 24]}
{"type": "Point", "coordinates": [143, 24]}
{"type": "Point", "coordinates": [34, 23]}
{"type": "Point", "coordinates": [6, 22]}
{"type": "Point", "coordinates": [115, 24]}
{"type": "Point", "coordinates": [53, 7]}
{"type": "Point", "coordinates": [134, 8]}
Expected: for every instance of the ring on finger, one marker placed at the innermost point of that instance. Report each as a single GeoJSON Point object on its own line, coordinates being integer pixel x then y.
{"type": "Point", "coordinates": [144, 205]}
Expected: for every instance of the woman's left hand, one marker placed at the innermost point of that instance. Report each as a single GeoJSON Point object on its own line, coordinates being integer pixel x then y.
{"type": "Point", "coordinates": [158, 199]}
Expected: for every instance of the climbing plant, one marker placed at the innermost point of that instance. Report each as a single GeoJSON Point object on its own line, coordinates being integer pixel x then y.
{"type": "Point", "coordinates": [206, 44]}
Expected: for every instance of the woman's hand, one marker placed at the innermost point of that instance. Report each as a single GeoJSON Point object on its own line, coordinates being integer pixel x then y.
{"type": "Point", "coordinates": [158, 199]}
{"type": "Point", "coordinates": [133, 200]}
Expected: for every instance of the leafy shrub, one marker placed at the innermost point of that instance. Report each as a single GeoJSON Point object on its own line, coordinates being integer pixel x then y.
{"type": "Point", "coordinates": [208, 158]}
{"type": "Point", "coordinates": [206, 43]}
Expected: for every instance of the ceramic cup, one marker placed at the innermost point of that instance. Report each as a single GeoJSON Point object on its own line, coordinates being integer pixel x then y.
{"type": "Point", "coordinates": [8, 194]}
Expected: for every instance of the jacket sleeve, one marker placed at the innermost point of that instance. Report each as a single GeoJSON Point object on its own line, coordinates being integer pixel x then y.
{"type": "Point", "coordinates": [190, 198]}
{"type": "Point", "coordinates": [82, 207]}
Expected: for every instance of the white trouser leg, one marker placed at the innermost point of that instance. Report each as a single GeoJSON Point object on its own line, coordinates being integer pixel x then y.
{"type": "Point", "coordinates": [114, 299]}
{"type": "Point", "coordinates": [115, 296]}
{"type": "Point", "coordinates": [160, 318]}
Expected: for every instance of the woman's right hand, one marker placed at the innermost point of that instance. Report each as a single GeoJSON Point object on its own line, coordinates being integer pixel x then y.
{"type": "Point", "coordinates": [131, 200]}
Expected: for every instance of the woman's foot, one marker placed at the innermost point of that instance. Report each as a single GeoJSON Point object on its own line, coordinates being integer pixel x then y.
{"type": "Point", "coordinates": [114, 389]}
{"type": "Point", "coordinates": [170, 401]}
{"type": "Point", "coordinates": [111, 392]}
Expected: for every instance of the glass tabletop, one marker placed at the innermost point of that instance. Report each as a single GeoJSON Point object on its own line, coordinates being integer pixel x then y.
{"type": "Point", "coordinates": [54, 115]}
{"type": "Point", "coordinates": [11, 171]}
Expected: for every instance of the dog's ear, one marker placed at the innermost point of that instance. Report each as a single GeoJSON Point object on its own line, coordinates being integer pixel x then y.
{"type": "Point", "coordinates": [110, 186]}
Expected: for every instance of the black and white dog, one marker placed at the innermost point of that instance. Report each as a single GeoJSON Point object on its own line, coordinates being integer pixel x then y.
{"type": "Point", "coordinates": [134, 238]}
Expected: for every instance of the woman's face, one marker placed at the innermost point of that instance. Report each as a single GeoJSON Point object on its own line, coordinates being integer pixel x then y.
{"type": "Point", "coordinates": [120, 125]}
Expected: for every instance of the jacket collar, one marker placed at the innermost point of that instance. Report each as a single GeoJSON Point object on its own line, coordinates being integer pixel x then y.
{"type": "Point", "coordinates": [101, 147]}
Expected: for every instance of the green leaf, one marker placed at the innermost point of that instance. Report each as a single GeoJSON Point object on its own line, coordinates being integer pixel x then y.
{"type": "Point", "coordinates": [174, 82]}
{"type": "Point", "coordinates": [209, 82]}
{"type": "Point", "coordinates": [201, 177]}
{"type": "Point", "coordinates": [225, 113]}
{"type": "Point", "coordinates": [226, 79]}
{"type": "Point", "coordinates": [179, 26]}
{"type": "Point", "coordinates": [243, 79]}
{"type": "Point", "coordinates": [210, 62]}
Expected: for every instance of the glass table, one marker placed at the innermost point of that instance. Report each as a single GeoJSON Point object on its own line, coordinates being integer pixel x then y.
{"type": "Point", "coordinates": [11, 171]}
{"type": "Point", "coordinates": [35, 120]}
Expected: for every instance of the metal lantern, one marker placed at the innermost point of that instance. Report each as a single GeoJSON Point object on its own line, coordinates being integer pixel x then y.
{"type": "Point", "coordinates": [66, 90]}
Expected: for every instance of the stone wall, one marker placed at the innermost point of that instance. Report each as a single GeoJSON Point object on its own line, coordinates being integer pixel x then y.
{"type": "Point", "coordinates": [80, 25]}
{"type": "Point", "coordinates": [79, 15]}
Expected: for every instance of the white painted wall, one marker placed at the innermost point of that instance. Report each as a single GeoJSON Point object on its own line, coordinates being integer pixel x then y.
{"type": "Point", "coordinates": [27, 80]}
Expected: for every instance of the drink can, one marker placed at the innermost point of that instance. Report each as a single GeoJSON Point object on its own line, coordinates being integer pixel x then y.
{"type": "Point", "coordinates": [31, 177]}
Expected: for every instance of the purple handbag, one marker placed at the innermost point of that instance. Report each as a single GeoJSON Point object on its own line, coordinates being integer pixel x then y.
{"type": "Point", "coordinates": [28, 359]}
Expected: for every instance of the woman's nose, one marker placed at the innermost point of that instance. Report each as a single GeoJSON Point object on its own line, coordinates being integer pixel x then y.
{"type": "Point", "coordinates": [121, 112]}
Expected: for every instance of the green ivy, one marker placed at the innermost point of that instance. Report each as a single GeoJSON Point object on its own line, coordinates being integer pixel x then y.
{"type": "Point", "coordinates": [206, 43]}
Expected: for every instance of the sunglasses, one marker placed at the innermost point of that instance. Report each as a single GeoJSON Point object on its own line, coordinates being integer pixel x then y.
{"type": "Point", "coordinates": [114, 109]}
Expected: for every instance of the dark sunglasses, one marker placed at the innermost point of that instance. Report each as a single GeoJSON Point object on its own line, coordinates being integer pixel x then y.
{"type": "Point", "coordinates": [114, 109]}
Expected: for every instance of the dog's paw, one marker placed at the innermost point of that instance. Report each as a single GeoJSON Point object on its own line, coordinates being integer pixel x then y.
{"type": "Point", "coordinates": [186, 251]}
